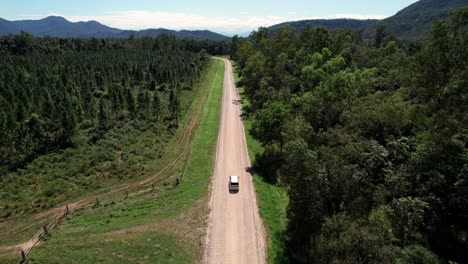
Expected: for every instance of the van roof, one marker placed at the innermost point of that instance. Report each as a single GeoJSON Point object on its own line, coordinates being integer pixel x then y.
{"type": "Point", "coordinates": [234, 179]}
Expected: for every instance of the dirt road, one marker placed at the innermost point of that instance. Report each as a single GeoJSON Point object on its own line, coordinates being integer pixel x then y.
{"type": "Point", "coordinates": [235, 230]}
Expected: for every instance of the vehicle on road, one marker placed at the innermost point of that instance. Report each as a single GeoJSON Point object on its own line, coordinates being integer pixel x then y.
{"type": "Point", "coordinates": [233, 184]}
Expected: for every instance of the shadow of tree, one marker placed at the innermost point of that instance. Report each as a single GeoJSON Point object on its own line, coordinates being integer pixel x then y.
{"type": "Point", "coordinates": [267, 164]}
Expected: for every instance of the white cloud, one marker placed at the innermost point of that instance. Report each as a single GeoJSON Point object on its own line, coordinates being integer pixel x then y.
{"type": "Point", "coordinates": [141, 19]}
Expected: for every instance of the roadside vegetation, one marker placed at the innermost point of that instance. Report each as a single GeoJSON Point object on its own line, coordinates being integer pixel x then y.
{"type": "Point", "coordinates": [368, 139]}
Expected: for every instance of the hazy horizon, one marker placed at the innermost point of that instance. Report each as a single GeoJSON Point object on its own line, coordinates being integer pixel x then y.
{"type": "Point", "coordinates": [230, 18]}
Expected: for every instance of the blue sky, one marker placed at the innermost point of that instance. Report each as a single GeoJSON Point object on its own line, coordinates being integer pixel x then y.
{"type": "Point", "coordinates": [222, 16]}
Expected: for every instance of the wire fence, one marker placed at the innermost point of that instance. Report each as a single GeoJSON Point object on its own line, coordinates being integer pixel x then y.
{"type": "Point", "coordinates": [27, 247]}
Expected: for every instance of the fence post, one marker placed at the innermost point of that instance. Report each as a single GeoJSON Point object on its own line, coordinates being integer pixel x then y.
{"type": "Point", "coordinates": [45, 228]}
{"type": "Point", "coordinates": [23, 257]}
{"type": "Point", "coordinates": [67, 207]}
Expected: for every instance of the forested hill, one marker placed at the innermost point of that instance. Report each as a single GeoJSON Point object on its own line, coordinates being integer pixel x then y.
{"type": "Point", "coordinates": [188, 34]}
{"type": "Point", "coordinates": [354, 24]}
{"type": "Point", "coordinates": [56, 26]}
{"type": "Point", "coordinates": [412, 22]}
{"type": "Point", "coordinates": [415, 21]}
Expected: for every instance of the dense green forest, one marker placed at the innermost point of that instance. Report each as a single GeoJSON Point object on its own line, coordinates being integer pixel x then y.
{"type": "Point", "coordinates": [85, 100]}
{"type": "Point", "coordinates": [369, 140]}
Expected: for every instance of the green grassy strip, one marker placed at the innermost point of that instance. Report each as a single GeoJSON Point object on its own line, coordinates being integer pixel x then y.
{"type": "Point", "coordinates": [201, 162]}
{"type": "Point", "coordinates": [147, 227]}
{"type": "Point", "coordinates": [272, 199]}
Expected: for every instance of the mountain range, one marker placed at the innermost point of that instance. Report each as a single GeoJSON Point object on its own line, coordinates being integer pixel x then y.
{"type": "Point", "coordinates": [56, 26]}
{"type": "Point", "coordinates": [412, 22]}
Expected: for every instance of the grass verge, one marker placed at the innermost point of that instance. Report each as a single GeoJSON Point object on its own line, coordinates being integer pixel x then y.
{"type": "Point", "coordinates": [161, 225]}
{"type": "Point", "coordinates": [272, 199]}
